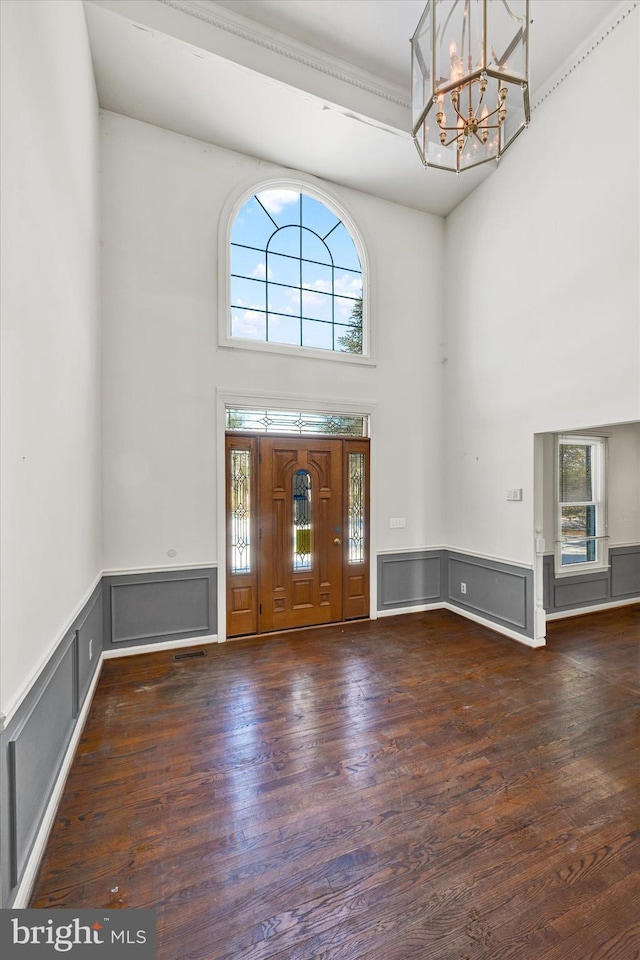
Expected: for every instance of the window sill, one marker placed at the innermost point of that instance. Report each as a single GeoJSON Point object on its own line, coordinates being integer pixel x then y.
{"type": "Point", "coordinates": [579, 570]}
{"type": "Point", "coordinates": [283, 349]}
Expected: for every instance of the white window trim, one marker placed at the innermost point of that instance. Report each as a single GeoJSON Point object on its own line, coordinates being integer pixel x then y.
{"type": "Point", "coordinates": [227, 218]}
{"type": "Point", "coordinates": [602, 543]}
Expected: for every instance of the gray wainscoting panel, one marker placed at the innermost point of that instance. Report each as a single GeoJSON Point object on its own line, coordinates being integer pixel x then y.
{"type": "Point", "coordinates": [166, 605]}
{"type": "Point", "coordinates": [625, 572]}
{"type": "Point", "coordinates": [620, 582]}
{"type": "Point", "coordinates": [35, 753]}
{"type": "Point", "coordinates": [89, 641]}
{"type": "Point", "coordinates": [500, 592]}
{"type": "Point", "coordinates": [569, 593]}
{"type": "Point", "coordinates": [35, 741]}
{"type": "Point", "coordinates": [409, 579]}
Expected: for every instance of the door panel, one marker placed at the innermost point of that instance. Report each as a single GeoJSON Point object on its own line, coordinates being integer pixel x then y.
{"type": "Point", "coordinates": [301, 565]}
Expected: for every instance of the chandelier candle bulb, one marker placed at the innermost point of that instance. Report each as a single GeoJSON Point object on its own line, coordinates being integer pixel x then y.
{"type": "Point", "coordinates": [473, 54]}
{"type": "Point", "coordinates": [483, 123]}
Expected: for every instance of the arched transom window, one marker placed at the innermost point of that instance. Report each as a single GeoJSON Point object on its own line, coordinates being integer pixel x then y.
{"type": "Point", "coordinates": [296, 277]}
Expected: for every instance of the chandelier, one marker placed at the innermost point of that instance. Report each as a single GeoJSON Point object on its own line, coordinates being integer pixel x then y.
{"type": "Point", "coordinates": [469, 80]}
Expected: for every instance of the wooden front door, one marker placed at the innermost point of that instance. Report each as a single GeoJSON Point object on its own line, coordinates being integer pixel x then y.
{"type": "Point", "coordinates": [297, 532]}
{"type": "Point", "coordinates": [300, 504]}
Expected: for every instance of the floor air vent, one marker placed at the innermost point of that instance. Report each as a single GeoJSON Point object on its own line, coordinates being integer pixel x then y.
{"type": "Point", "coordinates": [190, 655]}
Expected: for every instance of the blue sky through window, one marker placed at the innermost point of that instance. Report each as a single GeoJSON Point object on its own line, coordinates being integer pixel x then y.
{"type": "Point", "coordinates": [295, 272]}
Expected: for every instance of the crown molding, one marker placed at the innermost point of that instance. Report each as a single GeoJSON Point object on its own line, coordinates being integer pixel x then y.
{"type": "Point", "coordinates": [619, 13]}
{"type": "Point", "coordinates": [284, 46]}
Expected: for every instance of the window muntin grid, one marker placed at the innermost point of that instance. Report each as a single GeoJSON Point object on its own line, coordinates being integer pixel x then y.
{"type": "Point", "coordinates": [296, 276]}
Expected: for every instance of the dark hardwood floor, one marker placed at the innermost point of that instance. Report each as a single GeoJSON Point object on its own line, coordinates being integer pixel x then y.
{"type": "Point", "coordinates": [414, 787]}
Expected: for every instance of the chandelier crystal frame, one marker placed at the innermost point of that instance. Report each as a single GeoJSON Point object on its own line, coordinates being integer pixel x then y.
{"type": "Point", "coordinates": [469, 103]}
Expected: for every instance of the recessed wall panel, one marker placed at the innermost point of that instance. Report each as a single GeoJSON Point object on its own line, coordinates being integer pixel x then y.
{"type": "Point", "coordinates": [143, 610]}
{"type": "Point", "coordinates": [407, 579]}
{"type": "Point", "coordinates": [491, 589]}
{"type": "Point", "coordinates": [35, 751]}
{"type": "Point", "coordinates": [625, 572]}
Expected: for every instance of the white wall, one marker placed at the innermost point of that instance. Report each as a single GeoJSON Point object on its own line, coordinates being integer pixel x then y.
{"type": "Point", "coordinates": [163, 195]}
{"type": "Point", "coordinates": [543, 295]}
{"type": "Point", "coordinates": [50, 334]}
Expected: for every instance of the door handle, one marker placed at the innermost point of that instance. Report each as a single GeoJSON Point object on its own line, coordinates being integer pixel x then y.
{"type": "Point", "coordinates": [337, 540]}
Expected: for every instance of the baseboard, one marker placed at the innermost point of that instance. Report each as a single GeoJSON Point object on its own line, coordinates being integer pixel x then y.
{"type": "Point", "coordinates": [163, 645]}
{"type": "Point", "coordinates": [490, 624]}
{"type": "Point", "coordinates": [414, 608]}
{"type": "Point", "coordinates": [594, 608]}
{"type": "Point", "coordinates": [496, 627]}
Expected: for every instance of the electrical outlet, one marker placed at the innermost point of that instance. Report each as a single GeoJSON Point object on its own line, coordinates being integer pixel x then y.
{"type": "Point", "coordinates": [463, 588]}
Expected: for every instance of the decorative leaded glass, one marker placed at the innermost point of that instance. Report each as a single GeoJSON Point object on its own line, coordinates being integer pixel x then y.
{"type": "Point", "coordinates": [240, 511]}
{"type": "Point", "coordinates": [356, 507]}
{"type": "Point", "coordinates": [289, 421]}
{"type": "Point", "coordinates": [301, 520]}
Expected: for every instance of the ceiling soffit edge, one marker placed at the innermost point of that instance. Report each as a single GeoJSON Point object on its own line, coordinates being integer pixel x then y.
{"type": "Point", "coordinates": [292, 49]}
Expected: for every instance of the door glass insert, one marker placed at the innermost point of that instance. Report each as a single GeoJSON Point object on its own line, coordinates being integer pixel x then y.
{"type": "Point", "coordinates": [356, 506]}
{"type": "Point", "coordinates": [240, 511]}
{"type": "Point", "coordinates": [301, 520]}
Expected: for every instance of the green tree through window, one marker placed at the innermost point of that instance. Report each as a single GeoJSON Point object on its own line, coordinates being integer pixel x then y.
{"type": "Point", "coordinates": [351, 341]}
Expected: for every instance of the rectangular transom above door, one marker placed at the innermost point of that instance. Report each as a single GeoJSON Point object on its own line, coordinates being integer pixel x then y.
{"type": "Point", "coordinates": [297, 532]}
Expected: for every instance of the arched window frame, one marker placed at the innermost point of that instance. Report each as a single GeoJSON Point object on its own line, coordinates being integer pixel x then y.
{"type": "Point", "coordinates": [229, 214]}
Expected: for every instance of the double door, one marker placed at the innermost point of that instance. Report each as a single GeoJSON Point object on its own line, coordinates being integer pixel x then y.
{"type": "Point", "coordinates": [297, 532]}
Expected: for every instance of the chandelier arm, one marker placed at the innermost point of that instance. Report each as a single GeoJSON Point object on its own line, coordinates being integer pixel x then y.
{"type": "Point", "coordinates": [460, 136]}
{"type": "Point", "coordinates": [480, 102]}
{"type": "Point", "coordinates": [493, 113]}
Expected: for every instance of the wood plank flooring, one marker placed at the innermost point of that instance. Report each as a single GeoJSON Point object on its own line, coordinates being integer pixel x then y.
{"type": "Point", "coordinates": [414, 787]}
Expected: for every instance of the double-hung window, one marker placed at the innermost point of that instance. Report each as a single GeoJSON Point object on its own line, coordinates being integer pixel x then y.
{"type": "Point", "coordinates": [581, 523]}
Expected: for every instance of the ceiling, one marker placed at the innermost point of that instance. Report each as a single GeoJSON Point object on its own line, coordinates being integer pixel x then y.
{"type": "Point", "coordinates": [320, 86]}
